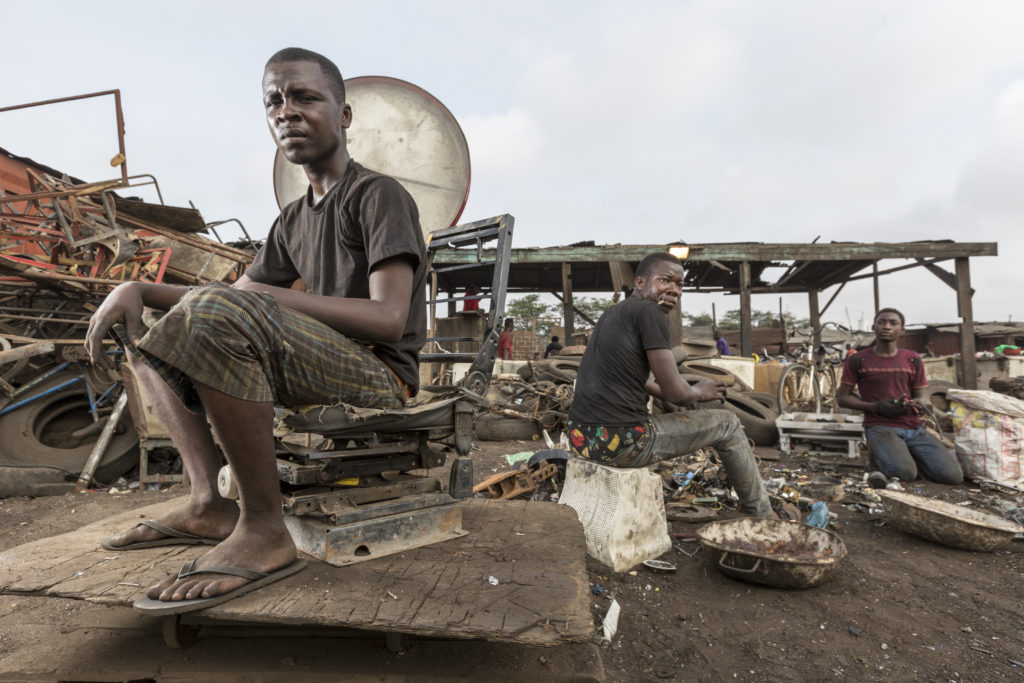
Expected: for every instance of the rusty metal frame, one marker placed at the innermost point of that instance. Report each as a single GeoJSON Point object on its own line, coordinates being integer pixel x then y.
{"type": "Point", "coordinates": [120, 159]}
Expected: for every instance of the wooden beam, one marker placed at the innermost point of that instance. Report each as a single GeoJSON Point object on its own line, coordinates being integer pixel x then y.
{"type": "Point", "coordinates": [892, 270]}
{"type": "Point", "coordinates": [832, 298]}
{"type": "Point", "coordinates": [746, 329]}
{"type": "Point", "coordinates": [675, 325]}
{"type": "Point", "coordinates": [575, 309]}
{"type": "Point", "coordinates": [944, 275]}
{"type": "Point", "coordinates": [846, 251]}
{"type": "Point", "coordinates": [567, 307]}
{"type": "Point", "coordinates": [878, 305]}
{"type": "Point", "coordinates": [965, 309]}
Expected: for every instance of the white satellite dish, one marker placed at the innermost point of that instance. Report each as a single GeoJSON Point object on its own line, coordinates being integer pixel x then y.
{"type": "Point", "coordinates": [405, 132]}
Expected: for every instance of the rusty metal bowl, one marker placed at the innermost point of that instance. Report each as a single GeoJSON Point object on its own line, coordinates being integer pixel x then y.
{"type": "Point", "coordinates": [948, 524]}
{"type": "Point", "coordinates": [772, 552]}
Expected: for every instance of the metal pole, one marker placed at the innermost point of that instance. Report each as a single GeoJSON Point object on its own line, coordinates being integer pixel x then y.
{"type": "Point", "coordinates": [101, 444]}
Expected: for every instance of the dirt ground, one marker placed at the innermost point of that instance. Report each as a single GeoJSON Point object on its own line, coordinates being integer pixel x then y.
{"type": "Point", "coordinates": [897, 607]}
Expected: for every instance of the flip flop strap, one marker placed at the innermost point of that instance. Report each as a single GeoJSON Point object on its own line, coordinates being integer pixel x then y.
{"type": "Point", "coordinates": [168, 531]}
{"type": "Point", "coordinates": [188, 569]}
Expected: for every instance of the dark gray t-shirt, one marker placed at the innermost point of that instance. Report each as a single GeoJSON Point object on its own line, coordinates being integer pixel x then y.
{"type": "Point", "coordinates": [333, 246]}
{"type": "Point", "coordinates": [610, 382]}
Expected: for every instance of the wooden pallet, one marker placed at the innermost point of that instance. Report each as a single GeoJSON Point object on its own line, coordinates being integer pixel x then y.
{"type": "Point", "coordinates": [536, 551]}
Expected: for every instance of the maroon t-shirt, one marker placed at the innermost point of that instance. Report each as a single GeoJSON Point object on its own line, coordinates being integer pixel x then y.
{"type": "Point", "coordinates": [878, 378]}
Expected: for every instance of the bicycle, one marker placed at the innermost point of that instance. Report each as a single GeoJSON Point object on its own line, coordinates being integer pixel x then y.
{"type": "Point", "coordinates": [809, 384]}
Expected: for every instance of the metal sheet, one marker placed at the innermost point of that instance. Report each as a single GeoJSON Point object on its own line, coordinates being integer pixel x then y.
{"type": "Point", "coordinates": [403, 131]}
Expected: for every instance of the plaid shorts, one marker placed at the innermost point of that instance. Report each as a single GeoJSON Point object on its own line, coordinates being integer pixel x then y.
{"type": "Point", "coordinates": [244, 344]}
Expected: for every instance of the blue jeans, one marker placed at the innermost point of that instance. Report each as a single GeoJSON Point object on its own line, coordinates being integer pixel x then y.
{"type": "Point", "coordinates": [676, 434]}
{"type": "Point", "coordinates": [905, 453]}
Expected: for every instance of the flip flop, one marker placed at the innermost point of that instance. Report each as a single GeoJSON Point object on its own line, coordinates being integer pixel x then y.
{"type": "Point", "coordinates": [148, 605]}
{"type": "Point", "coordinates": [174, 537]}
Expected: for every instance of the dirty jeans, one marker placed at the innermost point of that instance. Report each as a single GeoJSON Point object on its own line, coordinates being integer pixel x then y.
{"type": "Point", "coordinates": [677, 434]}
{"type": "Point", "coordinates": [905, 453]}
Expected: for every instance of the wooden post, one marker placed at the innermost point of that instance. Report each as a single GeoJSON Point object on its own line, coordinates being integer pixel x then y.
{"type": "Point", "coordinates": [785, 334]}
{"type": "Point", "coordinates": [746, 329]}
{"type": "Point", "coordinates": [675, 325]}
{"type": "Point", "coordinates": [567, 313]}
{"type": "Point", "coordinates": [451, 304]}
{"type": "Point", "coordinates": [812, 303]}
{"type": "Point", "coordinates": [874, 280]}
{"type": "Point", "coordinates": [965, 309]}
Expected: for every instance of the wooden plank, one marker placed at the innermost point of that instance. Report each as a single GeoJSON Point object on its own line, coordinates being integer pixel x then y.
{"type": "Point", "coordinates": [535, 550]}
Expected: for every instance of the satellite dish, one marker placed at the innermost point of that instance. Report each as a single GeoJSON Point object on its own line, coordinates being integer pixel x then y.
{"type": "Point", "coordinates": [405, 132]}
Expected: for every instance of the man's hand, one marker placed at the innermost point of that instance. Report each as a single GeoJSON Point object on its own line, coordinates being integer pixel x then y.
{"type": "Point", "coordinates": [890, 408]}
{"type": "Point", "coordinates": [124, 304]}
{"type": "Point", "coordinates": [669, 407]}
{"type": "Point", "coordinates": [710, 390]}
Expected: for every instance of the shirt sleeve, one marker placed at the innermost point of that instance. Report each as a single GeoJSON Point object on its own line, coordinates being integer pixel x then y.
{"type": "Point", "coordinates": [653, 327]}
{"type": "Point", "coordinates": [391, 223]}
{"type": "Point", "coordinates": [919, 381]}
{"type": "Point", "coordinates": [272, 265]}
{"type": "Point", "coordinates": [849, 372]}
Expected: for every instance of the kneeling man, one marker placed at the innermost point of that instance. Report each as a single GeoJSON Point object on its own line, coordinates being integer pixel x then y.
{"type": "Point", "coordinates": [886, 377]}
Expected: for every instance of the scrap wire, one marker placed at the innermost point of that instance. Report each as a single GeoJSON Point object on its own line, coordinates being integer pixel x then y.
{"type": "Point", "coordinates": [551, 409]}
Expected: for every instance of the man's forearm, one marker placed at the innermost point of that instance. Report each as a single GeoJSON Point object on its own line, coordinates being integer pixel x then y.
{"type": "Point", "coordinates": [360, 318]}
{"type": "Point", "coordinates": [159, 296]}
{"type": "Point", "coordinates": [854, 403]}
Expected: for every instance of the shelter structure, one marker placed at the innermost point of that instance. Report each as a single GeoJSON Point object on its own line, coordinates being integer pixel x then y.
{"type": "Point", "coordinates": [742, 268]}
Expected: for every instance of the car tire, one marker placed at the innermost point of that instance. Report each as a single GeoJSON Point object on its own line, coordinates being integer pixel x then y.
{"type": "Point", "coordinates": [489, 427]}
{"type": "Point", "coordinates": [38, 434]}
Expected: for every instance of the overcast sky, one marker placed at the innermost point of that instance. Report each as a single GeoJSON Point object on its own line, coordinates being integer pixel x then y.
{"type": "Point", "coordinates": [641, 122]}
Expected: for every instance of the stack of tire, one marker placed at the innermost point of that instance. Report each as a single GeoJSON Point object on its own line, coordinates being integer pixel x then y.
{"type": "Point", "coordinates": [756, 410]}
{"type": "Point", "coordinates": [543, 374]}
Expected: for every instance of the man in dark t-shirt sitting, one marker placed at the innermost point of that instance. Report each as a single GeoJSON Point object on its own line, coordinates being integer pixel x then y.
{"type": "Point", "coordinates": [228, 354]}
{"type": "Point", "coordinates": [891, 382]}
{"type": "Point", "coordinates": [609, 422]}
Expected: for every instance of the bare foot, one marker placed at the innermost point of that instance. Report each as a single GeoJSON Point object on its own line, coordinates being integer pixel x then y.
{"type": "Point", "coordinates": [261, 548]}
{"type": "Point", "coordinates": [213, 520]}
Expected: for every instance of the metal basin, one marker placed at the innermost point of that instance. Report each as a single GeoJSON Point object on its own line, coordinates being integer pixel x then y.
{"type": "Point", "coordinates": [772, 552]}
{"type": "Point", "coordinates": [948, 524]}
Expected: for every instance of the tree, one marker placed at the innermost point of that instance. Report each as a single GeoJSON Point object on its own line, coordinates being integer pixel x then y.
{"type": "Point", "coordinates": [528, 308]}
{"type": "Point", "coordinates": [697, 320]}
{"type": "Point", "coordinates": [593, 306]}
{"type": "Point", "coordinates": [730, 320]}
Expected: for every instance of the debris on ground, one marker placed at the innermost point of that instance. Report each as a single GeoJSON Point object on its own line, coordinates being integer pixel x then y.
{"type": "Point", "coordinates": [64, 244]}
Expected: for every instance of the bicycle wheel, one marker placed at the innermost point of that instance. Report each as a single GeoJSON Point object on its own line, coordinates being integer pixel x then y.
{"type": "Point", "coordinates": [828, 384]}
{"type": "Point", "coordinates": [797, 390]}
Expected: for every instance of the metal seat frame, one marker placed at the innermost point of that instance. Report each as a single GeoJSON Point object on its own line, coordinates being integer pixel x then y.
{"type": "Point", "coordinates": [357, 499]}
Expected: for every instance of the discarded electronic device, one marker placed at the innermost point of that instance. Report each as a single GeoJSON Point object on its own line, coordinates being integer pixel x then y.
{"type": "Point", "coordinates": [833, 431]}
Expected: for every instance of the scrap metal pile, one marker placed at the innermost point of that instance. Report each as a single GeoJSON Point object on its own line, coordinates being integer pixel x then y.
{"type": "Point", "coordinates": [64, 245]}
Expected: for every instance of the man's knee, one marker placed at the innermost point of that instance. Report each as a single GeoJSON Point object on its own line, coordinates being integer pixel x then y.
{"type": "Point", "coordinates": [895, 470]}
{"type": "Point", "coordinates": [217, 307]}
